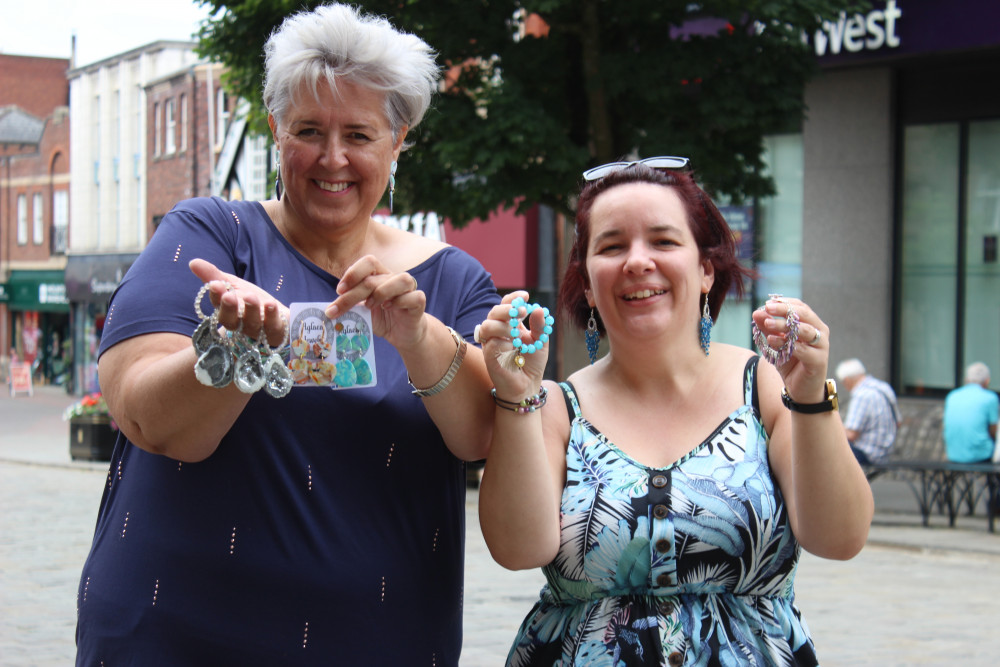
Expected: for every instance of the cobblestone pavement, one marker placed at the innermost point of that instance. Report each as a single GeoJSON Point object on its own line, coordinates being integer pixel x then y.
{"type": "Point", "coordinates": [914, 596]}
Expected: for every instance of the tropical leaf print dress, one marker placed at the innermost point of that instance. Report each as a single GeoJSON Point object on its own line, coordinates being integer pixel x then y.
{"type": "Point", "coordinates": [691, 564]}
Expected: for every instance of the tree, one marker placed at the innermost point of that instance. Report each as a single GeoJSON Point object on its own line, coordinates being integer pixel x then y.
{"type": "Point", "coordinates": [602, 80]}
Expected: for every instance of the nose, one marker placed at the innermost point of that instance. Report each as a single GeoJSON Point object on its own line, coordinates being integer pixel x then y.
{"type": "Point", "coordinates": [334, 154]}
{"type": "Point", "coordinates": [638, 259]}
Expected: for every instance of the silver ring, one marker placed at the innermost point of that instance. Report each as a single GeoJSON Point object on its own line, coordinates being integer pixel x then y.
{"type": "Point", "coordinates": [475, 334]}
{"type": "Point", "coordinates": [817, 338]}
{"type": "Point", "coordinates": [415, 288]}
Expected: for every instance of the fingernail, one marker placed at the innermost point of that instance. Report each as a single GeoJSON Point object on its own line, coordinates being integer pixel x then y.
{"type": "Point", "coordinates": [332, 312]}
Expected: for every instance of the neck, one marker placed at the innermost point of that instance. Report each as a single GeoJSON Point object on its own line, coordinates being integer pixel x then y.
{"type": "Point", "coordinates": [655, 365]}
{"type": "Point", "coordinates": [332, 250]}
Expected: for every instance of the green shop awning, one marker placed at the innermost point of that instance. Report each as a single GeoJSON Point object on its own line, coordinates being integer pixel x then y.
{"type": "Point", "coordinates": [37, 290]}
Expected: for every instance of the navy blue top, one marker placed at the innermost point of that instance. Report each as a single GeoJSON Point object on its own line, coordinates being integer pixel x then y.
{"type": "Point", "coordinates": [327, 528]}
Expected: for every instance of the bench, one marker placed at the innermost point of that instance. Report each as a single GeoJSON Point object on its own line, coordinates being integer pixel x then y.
{"type": "Point", "coordinates": [918, 458]}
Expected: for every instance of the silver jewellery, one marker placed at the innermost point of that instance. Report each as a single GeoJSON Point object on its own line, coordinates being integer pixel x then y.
{"type": "Point", "coordinates": [514, 359]}
{"type": "Point", "coordinates": [449, 375]}
{"type": "Point", "coordinates": [780, 356]}
{"type": "Point", "coordinates": [817, 338]}
{"type": "Point", "coordinates": [475, 334]}
{"type": "Point", "coordinates": [237, 358]}
{"type": "Point", "coordinates": [661, 162]}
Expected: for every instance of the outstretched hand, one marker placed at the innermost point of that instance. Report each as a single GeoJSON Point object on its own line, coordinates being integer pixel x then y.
{"type": "Point", "coordinates": [512, 382]}
{"type": "Point", "coordinates": [797, 342]}
{"type": "Point", "coordinates": [396, 303]}
{"type": "Point", "coordinates": [242, 303]}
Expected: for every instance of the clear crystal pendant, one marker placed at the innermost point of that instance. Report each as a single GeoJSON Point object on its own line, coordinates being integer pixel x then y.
{"type": "Point", "coordinates": [277, 377]}
{"type": "Point", "coordinates": [205, 335]}
{"type": "Point", "coordinates": [249, 373]}
{"type": "Point", "coordinates": [214, 367]}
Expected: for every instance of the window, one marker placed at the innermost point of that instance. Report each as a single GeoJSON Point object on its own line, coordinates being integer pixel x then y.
{"type": "Point", "coordinates": [157, 128]}
{"type": "Point", "coordinates": [38, 222]}
{"type": "Point", "coordinates": [22, 220]}
{"type": "Point", "coordinates": [170, 139]}
{"type": "Point", "coordinates": [60, 221]}
{"type": "Point", "coordinates": [222, 116]}
{"type": "Point", "coordinates": [184, 122]}
{"type": "Point", "coordinates": [949, 273]}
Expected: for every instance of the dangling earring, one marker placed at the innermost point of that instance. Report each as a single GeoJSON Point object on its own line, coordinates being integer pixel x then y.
{"type": "Point", "coordinates": [705, 327]}
{"type": "Point", "coordinates": [593, 337]}
{"type": "Point", "coordinates": [392, 183]}
{"type": "Point", "coordinates": [277, 174]}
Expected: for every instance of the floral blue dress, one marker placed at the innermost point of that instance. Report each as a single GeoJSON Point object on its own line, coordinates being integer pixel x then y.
{"type": "Point", "coordinates": [691, 564]}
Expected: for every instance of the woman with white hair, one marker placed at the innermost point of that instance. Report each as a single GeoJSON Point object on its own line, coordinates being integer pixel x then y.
{"type": "Point", "coordinates": [253, 515]}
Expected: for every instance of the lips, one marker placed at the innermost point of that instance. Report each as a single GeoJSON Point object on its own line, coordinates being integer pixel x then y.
{"type": "Point", "coordinates": [642, 294]}
{"type": "Point", "coordinates": [332, 187]}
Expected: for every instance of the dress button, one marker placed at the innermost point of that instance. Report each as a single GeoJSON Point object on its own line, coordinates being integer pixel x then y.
{"type": "Point", "coordinates": [663, 546]}
{"type": "Point", "coordinates": [666, 608]}
{"type": "Point", "coordinates": [659, 481]}
{"type": "Point", "coordinates": [660, 511]}
{"type": "Point", "coordinates": [664, 580]}
{"type": "Point", "coordinates": [675, 659]}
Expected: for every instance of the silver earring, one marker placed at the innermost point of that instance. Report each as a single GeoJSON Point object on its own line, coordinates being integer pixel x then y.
{"type": "Point", "coordinates": [392, 183]}
{"type": "Point", "coordinates": [277, 174]}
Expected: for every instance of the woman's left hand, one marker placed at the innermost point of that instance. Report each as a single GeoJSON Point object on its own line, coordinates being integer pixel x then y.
{"type": "Point", "coordinates": [396, 303]}
{"type": "Point", "coordinates": [805, 371]}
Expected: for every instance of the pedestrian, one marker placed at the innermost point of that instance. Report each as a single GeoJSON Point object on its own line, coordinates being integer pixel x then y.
{"type": "Point", "coordinates": [872, 413]}
{"type": "Point", "coordinates": [665, 489]}
{"type": "Point", "coordinates": [970, 418]}
{"type": "Point", "coordinates": [252, 522]}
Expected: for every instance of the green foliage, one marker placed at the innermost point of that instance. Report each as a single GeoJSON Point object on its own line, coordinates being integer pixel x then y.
{"type": "Point", "coordinates": [610, 80]}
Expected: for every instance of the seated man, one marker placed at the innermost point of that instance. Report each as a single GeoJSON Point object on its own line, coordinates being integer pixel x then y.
{"type": "Point", "coordinates": [872, 414]}
{"type": "Point", "coordinates": [970, 418]}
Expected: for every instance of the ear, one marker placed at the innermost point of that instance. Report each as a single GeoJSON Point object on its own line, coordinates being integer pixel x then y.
{"type": "Point", "coordinates": [708, 276]}
{"type": "Point", "coordinates": [589, 296]}
{"type": "Point", "coordinates": [273, 124]}
{"type": "Point", "coordinates": [400, 138]}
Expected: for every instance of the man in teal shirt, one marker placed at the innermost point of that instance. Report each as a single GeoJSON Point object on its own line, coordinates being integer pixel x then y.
{"type": "Point", "coordinates": [970, 418]}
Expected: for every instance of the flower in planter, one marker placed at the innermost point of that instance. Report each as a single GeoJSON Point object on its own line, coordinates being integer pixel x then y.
{"type": "Point", "coordinates": [90, 405]}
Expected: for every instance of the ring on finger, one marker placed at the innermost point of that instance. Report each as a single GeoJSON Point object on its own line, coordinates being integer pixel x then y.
{"type": "Point", "coordinates": [817, 338]}
{"type": "Point", "coordinates": [414, 284]}
{"type": "Point", "coordinates": [475, 334]}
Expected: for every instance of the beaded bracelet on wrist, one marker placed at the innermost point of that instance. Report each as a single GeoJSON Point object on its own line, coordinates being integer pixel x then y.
{"type": "Point", "coordinates": [525, 406]}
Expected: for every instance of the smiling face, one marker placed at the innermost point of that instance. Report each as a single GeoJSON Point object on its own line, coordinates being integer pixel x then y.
{"type": "Point", "coordinates": [336, 152]}
{"type": "Point", "coordinates": [645, 270]}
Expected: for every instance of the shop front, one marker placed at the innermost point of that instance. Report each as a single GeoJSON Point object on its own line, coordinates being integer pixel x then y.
{"type": "Point", "coordinates": [37, 314]}
{"type": "Point", "coordinates": [90, 282]}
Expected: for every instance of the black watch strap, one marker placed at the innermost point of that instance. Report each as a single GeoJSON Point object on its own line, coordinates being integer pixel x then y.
{"type": "Point", "coordinates": [828, 404]}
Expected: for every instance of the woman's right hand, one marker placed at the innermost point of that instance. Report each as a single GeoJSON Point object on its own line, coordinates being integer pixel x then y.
{"type": "Point", "coordinates": [242, 303]}
{"type": "Point", "coordinates": [511, 382]}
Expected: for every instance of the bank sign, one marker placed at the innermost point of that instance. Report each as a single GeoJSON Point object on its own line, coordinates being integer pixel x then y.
{"type": "Point", "coordinates": [897, 28]}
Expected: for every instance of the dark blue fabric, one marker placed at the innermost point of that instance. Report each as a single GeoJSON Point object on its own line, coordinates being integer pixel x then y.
{"type": "Point", "coordinates": [328, 527]}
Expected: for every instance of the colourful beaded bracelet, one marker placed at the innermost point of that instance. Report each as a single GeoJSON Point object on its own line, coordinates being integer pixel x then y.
{"type": "Point", "coordinates": [525, 406]}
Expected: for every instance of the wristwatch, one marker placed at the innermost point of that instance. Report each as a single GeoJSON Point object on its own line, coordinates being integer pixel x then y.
{"type": "Point", "coordinates": [828, 404]}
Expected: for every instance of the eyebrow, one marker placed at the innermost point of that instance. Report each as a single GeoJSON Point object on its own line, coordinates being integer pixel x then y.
{"type": "Point", "coordinates": [658, 229]}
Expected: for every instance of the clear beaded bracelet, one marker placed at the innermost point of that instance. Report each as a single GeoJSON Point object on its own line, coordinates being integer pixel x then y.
{"type": "Point", "coordinates": [525, 406]}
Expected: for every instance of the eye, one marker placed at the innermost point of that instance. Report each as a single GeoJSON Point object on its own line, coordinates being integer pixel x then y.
{"type": "Point", "coordinates": [307, 132]}
{"type": "Point", "coordinates": [359, 137]}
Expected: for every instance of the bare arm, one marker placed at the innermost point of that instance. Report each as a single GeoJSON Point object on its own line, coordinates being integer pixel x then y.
{"type": "Point", "coordinates": [829, 500]}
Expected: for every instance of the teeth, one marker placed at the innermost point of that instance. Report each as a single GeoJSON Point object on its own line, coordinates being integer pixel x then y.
{"type": "Point", "coordinates": [333, 187]}
{"type": "Point", "coordinates": [644, 294]}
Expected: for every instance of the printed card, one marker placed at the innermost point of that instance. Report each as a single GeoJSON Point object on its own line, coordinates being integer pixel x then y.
{"type": "Point", "coordinates": [331, 353]}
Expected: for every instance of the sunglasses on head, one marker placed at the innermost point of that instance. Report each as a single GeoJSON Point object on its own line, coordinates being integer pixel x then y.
{"type": "Point", "coordinates": [661, 162]}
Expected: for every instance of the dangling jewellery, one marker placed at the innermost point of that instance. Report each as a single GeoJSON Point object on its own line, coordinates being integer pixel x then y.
{"type": "Point", "coordinates": [705, 328]}
{"type": "Point", "coordinates": [593, 338]}
{"type": "Point", "coordinates": [392, 183]}
{"type": "Point", "coordinates": [235, 357]}
{"type": "Point", "coordinates": [514, 359]}
{"type": "Point", "coordinates": [277, 174]}
{"type": "Point", "coordinates": [780, 356]}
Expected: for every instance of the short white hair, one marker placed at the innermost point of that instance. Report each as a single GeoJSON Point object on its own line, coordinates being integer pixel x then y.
{"type": "Point", "coordinates": [850, 368]}
{"type": "Point", "coordinates": [336, 41]}
{"type": "Point", "coordinates": [977, 372]}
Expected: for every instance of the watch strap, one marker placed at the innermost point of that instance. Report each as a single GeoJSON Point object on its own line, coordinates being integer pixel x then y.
{"type": "Point", "coordinates": [828, 404]}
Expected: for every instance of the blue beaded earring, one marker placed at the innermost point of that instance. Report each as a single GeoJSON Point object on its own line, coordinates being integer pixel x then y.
{"type": "Point", "coordinates": [705, 327]}
{"type": "Point", "coordinates": [593, 337]}
{"type": "Point", "coordinates": [392, 183]}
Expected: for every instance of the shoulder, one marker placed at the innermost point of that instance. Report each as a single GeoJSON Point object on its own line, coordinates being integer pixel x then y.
{"type": "Point", "coordinates": [404, 250]}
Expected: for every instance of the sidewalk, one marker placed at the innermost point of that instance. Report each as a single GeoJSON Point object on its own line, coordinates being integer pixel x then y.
{"type": "Point", "coordinates": [32, 431]}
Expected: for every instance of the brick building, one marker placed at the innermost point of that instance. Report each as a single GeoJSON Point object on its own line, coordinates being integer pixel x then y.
{"type": "Point", "coordinates": [34, 212]}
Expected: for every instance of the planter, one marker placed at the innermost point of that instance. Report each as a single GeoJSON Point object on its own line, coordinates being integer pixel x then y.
{"type": "Point", "coordinates": [91, 438]}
